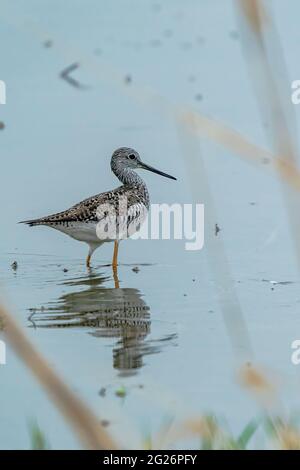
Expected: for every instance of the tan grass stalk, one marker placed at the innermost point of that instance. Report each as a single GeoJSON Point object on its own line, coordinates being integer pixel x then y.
{"type": "Point", "coordinates": [87, 426]}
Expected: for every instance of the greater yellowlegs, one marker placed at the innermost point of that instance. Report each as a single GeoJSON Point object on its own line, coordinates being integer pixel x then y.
{"type": "Point", "coordinates": [87, 221]}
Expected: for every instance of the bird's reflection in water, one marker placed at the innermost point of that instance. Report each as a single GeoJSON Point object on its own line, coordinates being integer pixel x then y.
{"type": "Point", "coordinates": [107, 313]}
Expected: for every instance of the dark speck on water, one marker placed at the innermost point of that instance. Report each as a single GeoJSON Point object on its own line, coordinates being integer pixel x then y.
{"type": "Point", "coordinates": [14, 265]}
{"type": "Point", "coordinates": [217, 229]}
{"type": "Point", "coordinates": [48, 43]}
{"type": "Point", "coordinates": [102, 392]}
{"type": "Point", "coordinates": [128, 79]}
{"type": "Point", "coordinates": [105, 422]}
{"type": "Point", "coordinates": [2, 125]}
{"type": "Point", "coordinates": [136, 269]}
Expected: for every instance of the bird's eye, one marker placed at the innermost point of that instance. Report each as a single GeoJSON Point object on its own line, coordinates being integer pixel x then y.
{"type": "Point", "coordinates": [131, 156]}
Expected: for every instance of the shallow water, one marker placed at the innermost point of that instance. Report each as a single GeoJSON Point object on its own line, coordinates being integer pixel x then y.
{"type": "Point", "coordinates": [163, 337]}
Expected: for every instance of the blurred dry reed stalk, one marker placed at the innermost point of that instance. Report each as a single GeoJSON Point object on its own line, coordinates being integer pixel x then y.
{"type": "Point", "coordinates": [205, 429]}
{"type": "Point", "coordinates": [214, 246]}
{"type": "Point", "coordinates": [209, 433]}
{"type": "Point", "coordinates": [268, 72]}
{"type": "Point", "coordinates": [267, 69]}
{"type": "Point", "coordinates": [287, 437]}
{"type": "Point", "coordinates": [260, 384]}
{"type": "Point", "coordinates": [87, 426]}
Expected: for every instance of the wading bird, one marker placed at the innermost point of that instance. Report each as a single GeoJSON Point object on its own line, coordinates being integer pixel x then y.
{"type": "Point", "coordinates": [90, 221]}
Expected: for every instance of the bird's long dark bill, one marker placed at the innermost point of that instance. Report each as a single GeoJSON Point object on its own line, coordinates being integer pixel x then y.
{"type": "Point", "coordinates": [161, 173]}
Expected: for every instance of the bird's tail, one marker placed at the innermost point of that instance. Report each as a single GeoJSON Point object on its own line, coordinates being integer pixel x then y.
{"type": "Point", "coordinates": [33, 222]}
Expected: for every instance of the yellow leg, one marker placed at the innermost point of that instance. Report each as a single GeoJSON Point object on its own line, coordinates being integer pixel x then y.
{"type": "Point", "coordinates": [116, 279]}
{"type": "Point", "coordinates": [115, 264]}
{"type": "Point", "coordinates": [88, 261]}
{"type": "Point", "coordinates": [115, 256]}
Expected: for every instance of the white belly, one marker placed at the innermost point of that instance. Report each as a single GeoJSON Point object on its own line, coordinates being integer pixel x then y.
{"type": "Point", "coordinates": [106, 230]}
{"type": "Point", "coordinates": [82, 231]}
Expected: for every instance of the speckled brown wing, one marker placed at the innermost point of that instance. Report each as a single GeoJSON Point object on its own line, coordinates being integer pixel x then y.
{"type": "Point", "coordinates": [87, 210]}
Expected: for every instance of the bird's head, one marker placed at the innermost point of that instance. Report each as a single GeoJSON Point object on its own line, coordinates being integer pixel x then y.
{"type": "Point", "coordinates": [126, 157]}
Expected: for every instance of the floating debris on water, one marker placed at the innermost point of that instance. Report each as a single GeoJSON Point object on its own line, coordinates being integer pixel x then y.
{"type": "Point", "coordinates": [2, 125]}
{"type": "Point", "coordinates": [121, 392]}
{"type": "Point", "coordinates": [102, 392]}
{"type": "Point", "coordinates": [199, 97]}
{"type": "Point", "coordinates": [280, 283]}
{"type": "Point", "coordinates": [14, 265]}
{"type": "Point", "coordinates": [65, 75]}
{"type": "Point", "coordinates": [128, 79]}
{"type": "Point", "coordinates": [105, 423]}
{"type": "Point", "coordinates": [48, 43]}
{"type": "Point", "coordinates": [217, 229]}
{"type": "Point", "coordinates": [65, 270]}
{"type": "Point", "coordinates": [136, 269]}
